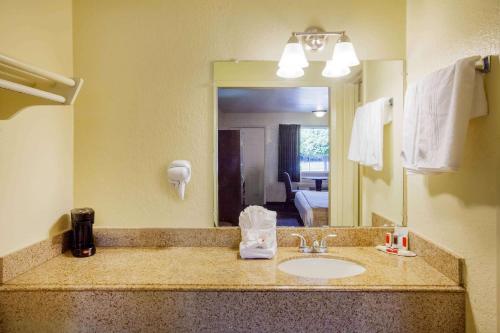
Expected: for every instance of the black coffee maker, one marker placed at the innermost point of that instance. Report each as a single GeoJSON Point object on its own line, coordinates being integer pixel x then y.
{"type": "Point", "coordinates": [82, 220]}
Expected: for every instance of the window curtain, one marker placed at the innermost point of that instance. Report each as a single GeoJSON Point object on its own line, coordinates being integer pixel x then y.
{"type": "Point", "coordinates": [289, 152]}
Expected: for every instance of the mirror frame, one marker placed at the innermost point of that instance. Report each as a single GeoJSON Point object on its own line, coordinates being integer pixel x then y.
{"type": "Point", "coordinates": [239, 74]}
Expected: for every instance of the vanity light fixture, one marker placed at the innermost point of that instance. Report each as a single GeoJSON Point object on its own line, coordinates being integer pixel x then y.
{"type": "Point", "coordinates": [319, 113]}
{"type": "Point", "coordinates": [293, 60]}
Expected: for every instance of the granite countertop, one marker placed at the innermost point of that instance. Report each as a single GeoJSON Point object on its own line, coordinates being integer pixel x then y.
{"type": "Point", "coordinates": [220, 268]}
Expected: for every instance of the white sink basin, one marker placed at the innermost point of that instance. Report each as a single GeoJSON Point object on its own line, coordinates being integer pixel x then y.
{"type": "Point", "coordinates": [321, 268]}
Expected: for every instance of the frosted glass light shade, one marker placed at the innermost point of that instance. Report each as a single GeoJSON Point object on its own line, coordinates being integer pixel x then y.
{"type": "Point", "coordinates": [334, 69]}
{"type": "Point", "coordinates": [319, 113]}
{"type": "Point", "coordinates": [290, 72]}
{"type": "Point", "coordinates": [293, 55]}
{"type": "Point", "coordinates": [344, 53]}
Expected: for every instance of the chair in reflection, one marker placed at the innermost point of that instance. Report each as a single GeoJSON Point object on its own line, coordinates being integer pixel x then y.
{"type": "Point", "coordinates": [290, 194]}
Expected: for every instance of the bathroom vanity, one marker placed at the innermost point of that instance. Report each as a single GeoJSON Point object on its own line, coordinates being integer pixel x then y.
{"type": "Point", "coordinates": [179, 280]}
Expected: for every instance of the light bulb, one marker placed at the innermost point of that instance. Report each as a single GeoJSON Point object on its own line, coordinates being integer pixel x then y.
{"type": "Point", "coordinates": [293, 59]}
{"type": "Point", "coordinates": [334, 69]}
{"type": "Point", "coordinates": [293, 54]}
{"type": "Point", "coordinates": [290, 72]}
{"type": "Point", "coordinates": [344, 53]}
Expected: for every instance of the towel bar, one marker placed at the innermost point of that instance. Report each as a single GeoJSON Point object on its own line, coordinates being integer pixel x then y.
{"type": "Point", "coordinates": [64, 90]}
{"type": "Point", "coordinates": [484, 65]}
{"type": "Point", "coordinates": [31, 91]}
{"type": "Point", "coordinates": [37, 71]}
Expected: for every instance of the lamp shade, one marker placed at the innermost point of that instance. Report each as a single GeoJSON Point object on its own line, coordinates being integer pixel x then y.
{"type": "Point", "coordinates": [319, 113]}
{"type": "Point", "coordinates": [293, 55]}
{"type": "Point", "coordinates": [344, 53]}
{"type": "Point", "coordinates": [290, 72]}
{"type": "Point", "coordinates": [334, 69]}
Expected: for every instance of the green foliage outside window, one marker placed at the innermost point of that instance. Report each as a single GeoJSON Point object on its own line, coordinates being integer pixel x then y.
{"type": "Point", "coordinates": [314, 144]}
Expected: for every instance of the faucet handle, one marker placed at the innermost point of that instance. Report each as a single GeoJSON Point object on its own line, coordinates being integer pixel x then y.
{"type": "Point", "coordinates": [303, 243]}
{"type": "Point", "coordinates": [323, 240]}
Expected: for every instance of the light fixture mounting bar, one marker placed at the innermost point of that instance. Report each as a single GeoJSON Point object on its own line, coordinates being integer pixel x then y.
{"type": "Point", "coordinates": [315, 38]}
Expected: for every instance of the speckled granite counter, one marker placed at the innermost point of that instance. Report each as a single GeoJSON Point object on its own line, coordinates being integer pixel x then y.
{"type": "Point", "coordinates": [209, 289]}
{"type": "Point", "coordinates": [220, 268]}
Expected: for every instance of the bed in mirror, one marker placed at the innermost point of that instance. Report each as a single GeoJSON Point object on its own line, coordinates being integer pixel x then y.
{"type": "Point", "coordinates": [284, 144]}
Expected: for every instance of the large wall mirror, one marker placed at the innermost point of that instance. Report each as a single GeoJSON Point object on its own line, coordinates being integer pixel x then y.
{"type": "Point", "coordinates": [284, 144]}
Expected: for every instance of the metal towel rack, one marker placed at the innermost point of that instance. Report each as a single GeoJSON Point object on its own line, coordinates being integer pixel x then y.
{"type": "Point", "coordinates": [484, 65]}
{"type": "Point", "coordinates": [64, 89]}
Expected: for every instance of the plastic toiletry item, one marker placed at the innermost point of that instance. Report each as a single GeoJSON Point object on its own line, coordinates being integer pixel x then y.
{"type": "Point", "coordinates": [401, 232]}
{"type": "Point", "coordinates": [388, 239]}
{"type": "Point", "coordinates": [395, 240]}
{"type": "Point", "coordinates": [404, 243]}
{"type": "Point", "coordinates": [396, 251]}
{"type": "Point", "coordinates": [406, 253]}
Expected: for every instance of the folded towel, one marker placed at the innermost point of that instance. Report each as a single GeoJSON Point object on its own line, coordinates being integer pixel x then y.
{"type": "Point", "coordinates": [259, 238]}
{"type": "Point", "coordinates": [248, 252]}
{"type": "Point", "coordinates": [437, 114]}
{"type": "Point", "coordinates": [258, 233]}
{"type": "Point", "coordinates": [367, 136]}
{"type": "Point", "coordinates": [257, 217]}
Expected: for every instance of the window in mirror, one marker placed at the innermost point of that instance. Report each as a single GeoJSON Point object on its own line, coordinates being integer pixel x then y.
{"type": "Point", "coordinates": [314, 150]}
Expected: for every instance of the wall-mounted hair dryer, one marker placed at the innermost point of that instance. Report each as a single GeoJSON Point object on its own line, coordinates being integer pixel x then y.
{"type": "Point", "coordinates": [179, 174]}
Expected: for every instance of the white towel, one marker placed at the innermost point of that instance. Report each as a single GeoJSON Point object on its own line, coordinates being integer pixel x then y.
{"type": "Point", "coordinates": [367, 136]}
{"type": "Point", "coordinates": [249, 252]}
{"type": "Point", "coordinates": [437, 114]}
{"type": "Point", "coordinates": [258, 233]}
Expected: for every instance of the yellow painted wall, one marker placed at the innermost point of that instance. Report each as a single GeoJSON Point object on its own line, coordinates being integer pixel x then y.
{"type": "Point", "coordinates": [381, 192]}
{"type": "Point", "coordinates": [459, 210]}
{"type": "Point", "coordinates": [148, 97]}
{"type": "Point", "coordinates": [36, 143]}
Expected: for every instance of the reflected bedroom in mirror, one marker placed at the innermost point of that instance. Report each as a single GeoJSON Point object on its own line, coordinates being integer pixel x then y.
{"type": "Point", "coordinates": [273, 151]}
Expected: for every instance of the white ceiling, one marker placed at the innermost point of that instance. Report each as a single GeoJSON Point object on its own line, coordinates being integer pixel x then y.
{"type": "Point", "coordinates": [266, 100]}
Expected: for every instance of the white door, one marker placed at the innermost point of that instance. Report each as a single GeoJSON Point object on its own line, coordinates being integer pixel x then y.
{"type": "Point", "coordinates": [253, 142]}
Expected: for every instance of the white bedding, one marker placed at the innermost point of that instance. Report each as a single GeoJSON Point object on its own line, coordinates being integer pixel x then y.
{"type": "Point", "coordinates": [305, 201]}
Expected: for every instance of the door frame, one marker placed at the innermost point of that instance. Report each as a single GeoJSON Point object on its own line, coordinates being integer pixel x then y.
{"type": "Point", "coordinates": [265, 158]}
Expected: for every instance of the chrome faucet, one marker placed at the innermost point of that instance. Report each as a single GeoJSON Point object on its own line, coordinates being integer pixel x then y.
{"type": "Point", "coordinates": [317, 246]}
{"type": "Point", "coordinates": [321, 246]}
{"type": "Point", "coordinates": [303, 244]}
